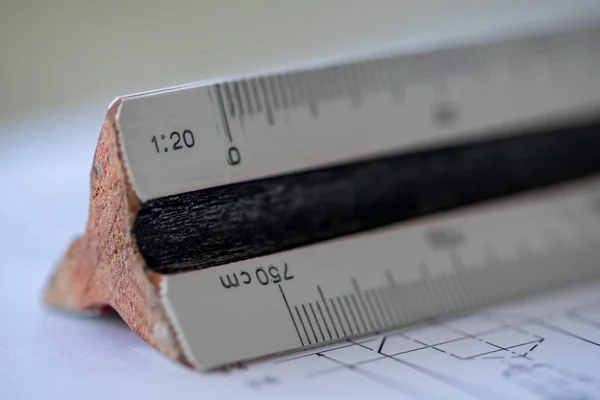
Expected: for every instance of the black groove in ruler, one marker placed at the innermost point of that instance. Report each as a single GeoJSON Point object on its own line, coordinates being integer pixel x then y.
{"type": "Point", "coordinates": [327, 309]}
{"type": "Point", "coordinates": [187, 231]}
{"type": "Point", "coordinates": [337, 314]}
{"type": "Point", "coordinates": [302, 323]}
{"type": "Point", "coordinates": [291, 315]}
{"type": "Point", "coordinates": [339, 301]}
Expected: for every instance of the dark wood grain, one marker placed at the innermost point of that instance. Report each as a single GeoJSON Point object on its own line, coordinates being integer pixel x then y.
{"type": "Point", "coordinates": [224, 224]}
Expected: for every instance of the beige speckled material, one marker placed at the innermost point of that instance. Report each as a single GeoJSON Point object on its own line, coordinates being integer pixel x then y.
{"type": "Point", "coordinates": [103, 269]}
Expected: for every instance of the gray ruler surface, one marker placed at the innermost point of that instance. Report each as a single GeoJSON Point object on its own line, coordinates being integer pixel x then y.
{"type": "Point", "coordinates": [220, 133]}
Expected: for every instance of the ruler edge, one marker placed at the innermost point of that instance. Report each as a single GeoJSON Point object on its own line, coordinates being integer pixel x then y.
{"type": "Point", "coordinates": [175, 326]}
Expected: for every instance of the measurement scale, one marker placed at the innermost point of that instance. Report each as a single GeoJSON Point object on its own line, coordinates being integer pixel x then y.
{"type": "Point", "coordinates": [297, 209]}
{"type": "Point", "coordinates": [376, 281]}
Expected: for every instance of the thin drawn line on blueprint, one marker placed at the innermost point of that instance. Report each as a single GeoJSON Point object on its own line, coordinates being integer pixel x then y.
{"type": "Point", "coordinates": [390, 383]}
{"type": "Point", "coordinates": [467, 388]}
{"type": "Point", "coordinates": [581, 314]}
{"type": "Point", "coordinates": [510, 346]}
{"type": "Point", "coordinates": [435, 346]}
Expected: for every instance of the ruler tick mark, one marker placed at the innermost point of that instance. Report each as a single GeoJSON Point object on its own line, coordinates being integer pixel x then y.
{"type": "Point", "coordinates": [310, 324]}
{"type": "Point", "coordinates": [303, 326]}
{"type": "Point", "coordinates": [359, 294]}
{"type": "Point", "coordinates": [393, 287]}
{"type": "Point", "coordinates": [247, 96]}
{"type": "Point", "coordinates": [379, 304]}
{"type": "Point", "coordinates": [347, 301]}
{"type": "Point", "coordinates": [345, 317]}
{"type": "Point", "coordinates": [256, 95]}
{"type": "Point", "coordinates": [229, 99]}
{"type": "Point", "coordinates": [357, 307]}
{"type": "Point", "coordinates": [383, 294]}
{"type": "Point", "coordinates": [335, 310]}
{"type": "Point", "coordinates": [275, 93]}
{"type": "Point", "coordinates": [223, 112]}
{"type": "Point", "coordinates": [291, 315]}
{"type": "Point", "coordinates": [290, 83]}
{"type": "Point", "coordinates": [373, 311]}
{"type": "Point", "coordinates": [312, 310]}
{"type": "Point", "coordinates": [267, 100]}
{"type": "Point", "coordinates": [327, 310]}
{"type": "Point", "coordinates": [284, 98]}
{"type": "Point", "coordinates": [324, 320]}
{"type": "Point", "coordinates": [238, 98]}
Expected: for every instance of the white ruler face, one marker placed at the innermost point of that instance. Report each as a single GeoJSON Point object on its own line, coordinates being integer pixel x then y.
{"type": "Point", "coordinates": [383, 279]}
{"type": "Point", "coordinates": [197, 137]}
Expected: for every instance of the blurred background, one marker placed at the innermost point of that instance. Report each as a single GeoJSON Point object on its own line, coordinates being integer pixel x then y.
{"type": "Point", "coordinates": [61, 64]}
{"type": "Point", "coordinates": [61, 54]}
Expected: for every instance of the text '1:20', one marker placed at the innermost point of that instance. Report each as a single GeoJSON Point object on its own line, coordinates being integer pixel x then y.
{"type": "Point", "coordinates": [174, 141]}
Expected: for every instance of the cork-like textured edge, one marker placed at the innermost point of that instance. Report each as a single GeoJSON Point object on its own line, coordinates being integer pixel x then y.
{"type": "Point", "coordinates": [103, 268]}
